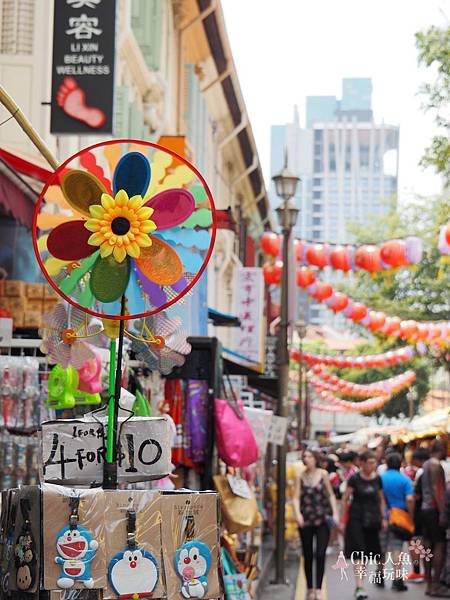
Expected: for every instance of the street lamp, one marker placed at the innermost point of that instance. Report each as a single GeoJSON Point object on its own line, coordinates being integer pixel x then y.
{"type": "Point", "coordinates": [285, 186]}
{"type": "Point", "coordinates": [301, 332]}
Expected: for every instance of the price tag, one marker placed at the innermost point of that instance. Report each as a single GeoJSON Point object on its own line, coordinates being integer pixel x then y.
{"type": "Point", "coordinates": [277, 431]}
{"type": "Point", "coordinates": [239, 487]}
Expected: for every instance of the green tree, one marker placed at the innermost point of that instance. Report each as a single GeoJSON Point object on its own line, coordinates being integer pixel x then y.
{"type": "Point", "coordinates": [433, 45]}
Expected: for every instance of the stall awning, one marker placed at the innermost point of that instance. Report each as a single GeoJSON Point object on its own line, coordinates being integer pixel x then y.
{"type": "Point", "coordinates": [26, 165]}
{"type": "Point", "coordinates": [16, 197]}
{"type": "Point", "coordinates": [219, 319]}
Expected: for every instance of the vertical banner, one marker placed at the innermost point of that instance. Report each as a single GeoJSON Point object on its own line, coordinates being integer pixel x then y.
{"type": "Point", "coordinates": [249, 338]}
{"type": "Point", "coordinates": [84, 34]}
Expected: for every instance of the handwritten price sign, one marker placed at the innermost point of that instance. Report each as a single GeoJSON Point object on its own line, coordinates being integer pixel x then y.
{"type": "Point", "coordinates": [73, 451]}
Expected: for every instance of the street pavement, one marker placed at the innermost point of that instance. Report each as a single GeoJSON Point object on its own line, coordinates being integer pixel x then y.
{"type": "Point", "coordinates": [335, 587]}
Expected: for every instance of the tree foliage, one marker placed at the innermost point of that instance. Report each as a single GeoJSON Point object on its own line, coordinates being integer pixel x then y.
{"type": "Point", "coordinates": [433, 45]}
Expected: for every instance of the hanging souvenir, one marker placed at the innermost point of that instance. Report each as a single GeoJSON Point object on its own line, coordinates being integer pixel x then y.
{"type": "Point", "coordinates": [8, 546]}
{"type": "Point", "coordinates": [76, 548]}
{"type": "Point", "coordinates": [192, 563]}
{"type": "Point", "coordinates": [25, 551]}
{"type": "Point", "coordinates": [134, 572]}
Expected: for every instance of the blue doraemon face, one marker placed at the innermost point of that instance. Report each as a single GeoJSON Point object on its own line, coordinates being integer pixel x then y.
{"type": "Point", "coordinates": [192, 560]}
{"type": "Point", "coordinates": [133, 572]}
{"type": "Point", "coordinates": [73, 544]}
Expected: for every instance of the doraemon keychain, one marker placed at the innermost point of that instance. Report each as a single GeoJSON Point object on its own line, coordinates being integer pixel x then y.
{"type": "Point", "coordinates": [25, 551]}
{"type": "Point", "coordinates": [134, 572]}
{"type": "Point", "coordinates": [76, 549]}
{"type": "Point", "coordinates": [192, 563]}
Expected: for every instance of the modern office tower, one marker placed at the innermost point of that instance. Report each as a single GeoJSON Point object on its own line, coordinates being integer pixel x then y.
{"type": "Point", "coordinates": [343, 159]}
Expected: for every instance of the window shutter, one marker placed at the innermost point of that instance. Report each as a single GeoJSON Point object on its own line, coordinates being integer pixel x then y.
{"type": "Point", "coordinates": [121, 112]}
{"type": "Point", "coordinates": [136, 122]}
{"type": "Point", "coordinates": [146, 23]}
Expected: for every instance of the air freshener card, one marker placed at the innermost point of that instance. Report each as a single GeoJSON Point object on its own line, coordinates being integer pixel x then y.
{"type": "Point", "coordinates": [190, 534]}
{"type": "Point", "coordinates": [139, 571]}
{"type": "Point", "coordinates": [74, 557]}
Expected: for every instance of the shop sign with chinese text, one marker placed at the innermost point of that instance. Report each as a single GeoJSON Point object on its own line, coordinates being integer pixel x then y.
{"type": "Point", "coordinates": [84, 34]}
{"type": "Point", "coordinates": [249, 307]}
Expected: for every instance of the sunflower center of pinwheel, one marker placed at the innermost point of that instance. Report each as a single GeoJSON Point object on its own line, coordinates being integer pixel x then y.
{"type": "Point", "coordinates": [120, 226]}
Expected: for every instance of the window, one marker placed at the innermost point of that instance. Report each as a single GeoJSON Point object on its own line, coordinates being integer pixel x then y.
{"type": "Point", "coordinates": [317, 165]}
{"type": "Point", "coordinates": [16, 34]}
{"type": "Point", "coordinates": [332, 165]}
{"type": "Point", "coordinates": [315, 313]}
{"type": "Point", "coordinates": [317, 181]}
{"type": "Point", "coordinates": [317, 194]}
{"type": "Point", "coordinates": [316, 235]}
{"type": "Point", "coordinates": [317, 221]}
{"type": "Point", "coordinates": [317, 135]}
{"type": "Point", "coordinates": [317, 208]}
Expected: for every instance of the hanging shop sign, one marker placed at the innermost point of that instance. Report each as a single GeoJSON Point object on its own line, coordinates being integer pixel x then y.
{"type": "Point", "coordinates": [83, 66]}
{"type": "Point", "coordinates": [277, 431]}
{"type": "Point", "coordinates": [73, 451]}
{"type": "Point", "coordinates": [249, 303]}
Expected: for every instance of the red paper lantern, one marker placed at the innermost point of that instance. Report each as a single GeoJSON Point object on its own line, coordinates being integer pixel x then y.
{"type": "Point", "coordinates": [434, 332]}
{"type": "Point", "coordinates": [323, 291]}
{"type": "Point", "coordinates": [317, 255]}
{"type": "Point", "coordinates": [270, 243]}
{"type": "Point", "coordinates": [339, 302]}
{"type": "Point", "coordinates": [408, 329]}
{"type": "Point", "coordinates": [305, 277]}
{"type": "Point", "coordinates": [377, 320]}
{"type": "Point", "coordinates": [340, 258]}
{"type": "Point", "coordinates": [368, 258]}
{"type": "Point", "coordinates": [422, 332]}
{"type": "Point", "coordinates": [392, 326]}
{"type": "Point", "coordinates": [447, 234]}
{"type": "Point", "coordinates": [295, 354]}
{"type": "Point", "coordinates": [358, 312]}
{"type": "Point", "coordinates": [272, 272]}
{"type": "Point", "coordinates": [393, 253]}
{"type": "Point", "coordinates": [298, 250]}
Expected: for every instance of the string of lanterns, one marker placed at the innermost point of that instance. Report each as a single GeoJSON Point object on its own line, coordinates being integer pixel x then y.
{"type": "Point", "coordinates": [444, 240]}
{"type": "Point", "coordinates": [391, 254]}
{"type": "Point", "coordinates": [323, 380]}
{"type": "Point", "coordinates": [385, 359]}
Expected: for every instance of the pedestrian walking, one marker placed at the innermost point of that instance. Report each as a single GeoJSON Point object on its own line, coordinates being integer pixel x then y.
{"type": "Point", "coordinates": [316, 512]}
{"type": "Point", "coordinates": [420, 456]}
{"type": "Point", "coordinates": [363, 509]}
{"type": "Point", "coordinates": [398, 491]}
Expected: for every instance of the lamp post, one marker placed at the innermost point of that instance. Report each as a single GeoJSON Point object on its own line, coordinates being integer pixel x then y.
{"type": "Point", "coordinates": [301, 332]}
{"type": "Point", "coordinates": [285, 186]}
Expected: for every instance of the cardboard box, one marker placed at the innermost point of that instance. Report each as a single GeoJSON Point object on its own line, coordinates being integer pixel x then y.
{"type": "Point", "coordinates": [16, 303]}
{"type": "Point", "coordinates": [2, 287]}
{"type": "Point", "coordinates": [14, 287]}
{"type": "Point", "coordinates": [36, 306]}
{"type": "Point", "coordinates": [18, 317]}
{"type": "Point", "coordinates": [48, 305]}
{"type": "Point", "coordinates": [32, 319]}
{"type": "Point", "coordinates": [35, 291]}
{"type": "Point", "coordinates": [49, 292]}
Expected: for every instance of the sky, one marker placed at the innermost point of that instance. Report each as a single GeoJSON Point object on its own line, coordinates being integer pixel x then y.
{"type": "Point", "coordinates": [289, 49]}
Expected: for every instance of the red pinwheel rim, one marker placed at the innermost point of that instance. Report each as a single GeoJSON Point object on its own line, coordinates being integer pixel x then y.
{"type": "Point", "coordinates": [191, 284]}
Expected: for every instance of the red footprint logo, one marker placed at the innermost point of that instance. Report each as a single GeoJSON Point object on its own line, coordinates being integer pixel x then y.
{"type": "Point", "coordinates": [72, 99]}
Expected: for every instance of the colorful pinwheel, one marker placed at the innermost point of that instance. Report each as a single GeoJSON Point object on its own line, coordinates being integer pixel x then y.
{"type": "Point", "coordinates": [62, 334]}
{"type": "Point", "coordinates": [140, 237]}
{"type": "Point", "coordinates": [167, 346]}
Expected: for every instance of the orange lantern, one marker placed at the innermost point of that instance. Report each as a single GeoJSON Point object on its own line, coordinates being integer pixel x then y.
{"type": "Point", "coordinates": [270, 243]}
{"type": "Point", "coordinates": [447, 234]}
{"type": "Point", "coordinates": [377, 320]}
{"type": "Point", "coordinates": [272, 272]}
{"type": "Point", "coordinates": [358, 312]}
{"type": "Point", "coordinates": [393, 253]}
{"type": "Point", "coordinates": [305, 277]}
{"type": "Point", "coordinates": [339, 302]}
{"type": "Point", "coordinates": [368, 258]}
{"type": "Point", "coordinates": [408, 329]}
{"type": "Point", "coordinates": [340, 258]}
{"type": "Point", "coordinates": [316, 255]}
{"type": "Point", "coordinates": [323, 291]}
{"type": "Point", "coordinates": [392, 326]}
{"type": "Point", "coordinates": [298, 250]}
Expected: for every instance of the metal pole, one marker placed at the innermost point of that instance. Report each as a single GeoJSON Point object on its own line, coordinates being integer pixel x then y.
{"type": "Point", "coordinates": [300, 396]}
{"type": "Point", "coordinates": [283, 383]}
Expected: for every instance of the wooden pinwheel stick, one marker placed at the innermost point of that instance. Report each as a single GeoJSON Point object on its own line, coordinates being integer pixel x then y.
{"type": "Point", "coordinates": [112, 441]}
{"type": "Point", "coordinates": [25, 124]}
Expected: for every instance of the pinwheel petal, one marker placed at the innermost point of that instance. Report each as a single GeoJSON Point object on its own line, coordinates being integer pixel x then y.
{"type": "Point", "coordinates": [172, 207]}
{"type": "Point", "coordinates": [109, 279]}
{"type": "Point", "coordinates": [160, 263]}
{"type": "Point", "coordinates": [132, 174]}
{"type": "Point", "coordinates": [69, 241]}
{"type": "Point", "coordinates": [81, 190]}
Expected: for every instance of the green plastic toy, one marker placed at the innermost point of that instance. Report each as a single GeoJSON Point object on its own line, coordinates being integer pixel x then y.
{"type": "Point", "coordinates": [62, 384]}
{"type": "Point", "coordinates": [141, 407]}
